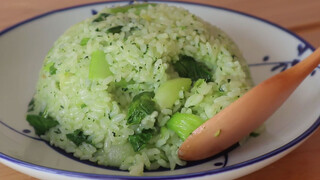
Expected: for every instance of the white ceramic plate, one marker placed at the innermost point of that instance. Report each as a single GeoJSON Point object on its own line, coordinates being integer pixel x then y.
{"type": "Point", "coordinates": [267, 47]}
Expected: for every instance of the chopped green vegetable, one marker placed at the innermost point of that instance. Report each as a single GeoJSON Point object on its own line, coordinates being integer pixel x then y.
{"type": "Point", "coordinates": [189, 68]}
{"type": "Point", "coordinates": [258, 131]}
{"type": "Point", "coordinates": [141, 106]}
{"type": "Point", "coordinates": [31, 105]}
{"type": "Point", "coordinates": [78, 137]}
{"type": "Point", "coordinates": [198, 83]}
{"type": "Point", "coordinates": [84, 41]}
{"type": "Point", "coordinates": [53, 70]}
{"type": "Point", "coordinates": [115, 29]}
{"type": "Point", "coordinates": [139, 141]}
{"type": "Point", "coordinates": [168, 92]}
{"type": "Point", "coordinates": [163, 131]}
{"type": "Point", "coordinates": [44, 113]}
{"type": "Point", "coordinates": [50, 68]}
{"type": "Point", "coordinates": [254, 134]}
{"type": "Point", "coordinates": [217, 133]}
{"type": "Point", "coordinates": [99, 67]}
{"type": "Point", "coordinates": [101, 17]}
{"type": "Point", "coordinates": [57, 131]}
{"type": "Point", "coordinates": [47, 66]}
{"type": "Point", "coordinates": [41, 124]}
{"type": "Point", "coordinates": [124, 83]}
{"type": "Point", "coordinates": [83, 106]}
{"type": "Point", "coordinates": [58, 85]}
{"type": "Point", "coordinates": [138, 8]}
{"type": "Point", "coordinates": [184, 124]}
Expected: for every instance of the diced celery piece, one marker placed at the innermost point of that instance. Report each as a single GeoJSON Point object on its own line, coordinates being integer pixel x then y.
{"type": "Point", "coordinates": [184, 124]}
{"type": "Point", "coordinates": [168, 92]}
{"type": "Point", "coordinates": [99, 67]}
{"type": "Point", "coordinates": [84, 41]}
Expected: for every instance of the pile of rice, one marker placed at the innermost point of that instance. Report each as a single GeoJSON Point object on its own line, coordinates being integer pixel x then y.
{"type": "Point", "coordinates": [141, 55]}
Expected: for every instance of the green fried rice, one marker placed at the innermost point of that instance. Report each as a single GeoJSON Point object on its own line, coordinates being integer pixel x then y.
{"type": "Point", "coordinates": [95, 74]}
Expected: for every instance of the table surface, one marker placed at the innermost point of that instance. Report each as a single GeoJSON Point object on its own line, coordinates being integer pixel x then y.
{"type": "Point", "coordinates": [299, 16]}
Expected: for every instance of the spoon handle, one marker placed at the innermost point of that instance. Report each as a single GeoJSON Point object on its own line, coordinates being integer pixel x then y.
{"type": "Point", "coordinates": [247, 113]}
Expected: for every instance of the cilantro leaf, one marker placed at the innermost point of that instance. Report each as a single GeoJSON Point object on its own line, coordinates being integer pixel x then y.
{"type": "Point", "coordinates": [254, 134]}
{"type": "Point", "coordinates": [101, 17]}
{"type": "Point", "coordinates": [139, 141]}
{"type": "Point", "coordinates": [189, 68]}
{"type": "Point", "coordinates": [41, 124]}
{"type": "Point", "coordinates": [141, 106]}
{"type": "Point", "coordinates": [115, 29]}
{"type": "Point", "coordinates": [78, 137]}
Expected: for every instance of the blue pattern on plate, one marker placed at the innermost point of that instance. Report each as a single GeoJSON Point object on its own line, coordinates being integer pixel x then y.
{"type": "Point", "coordinates": [26, 131]}
{"type": "Point", "coordinates": [283, 65]}
{"type": "Point", "coordinates": [94, 12]}
{"type": "Point", "coordinates": [302, 48]}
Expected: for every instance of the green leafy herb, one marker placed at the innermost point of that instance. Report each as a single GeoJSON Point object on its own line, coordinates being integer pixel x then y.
{"type": "Point", "coordinates": [189, 68]}
{"type": "Point", "coordinates": [78, 137]}
{"type": "Point", "coordinates": [139, 141]}
{"type": "Point", "coordinates": [258, 131]}
{"type": "Point", "coordinates": [123, 83]}
{"type": "Point", "coordinates": [57, 131]}
{"type": "Point", "coordinates": [41, 124]}
{"type": "Point", "coordinates": [44, 113]}
{"type": "Point", "coordinates": [84, 41]}
{"type": "Point", "coordinates": [83, 106]}
{"type": "Point", "coordinates": [254, 134]}
{"type": "Point", "coordinates": [31, 105]}
{"type": "Point", "coordinates": [101, 17]}
{"type": "Point", "coordinates": [141, 106]}
{"type": "Point", "coordinates": [58, 85]}
{"type": "Point", "coordinates": [50, 68]}
{"type": "Point", "coordinates": [198, 83]}
{"type": "Point", "coordinates": [184, 124]}
{"type": "Point", "coordinates": [115, 29]}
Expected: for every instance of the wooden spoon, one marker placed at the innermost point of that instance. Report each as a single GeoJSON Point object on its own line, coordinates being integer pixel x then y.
{"type": "Point", "coordinates": [247, 113]}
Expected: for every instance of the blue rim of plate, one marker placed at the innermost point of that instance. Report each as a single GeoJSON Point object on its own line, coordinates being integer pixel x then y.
{"type": "Point", "coordinates": [275, 152]}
